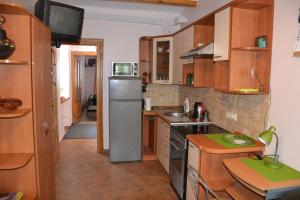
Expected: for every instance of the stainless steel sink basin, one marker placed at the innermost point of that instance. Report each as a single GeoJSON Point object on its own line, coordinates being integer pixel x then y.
{"type": "Point", "coordinates": [174, 114]}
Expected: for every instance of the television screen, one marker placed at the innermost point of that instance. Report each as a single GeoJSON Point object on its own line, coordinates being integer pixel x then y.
{"type": "Point", "coordinates": [64, 21]}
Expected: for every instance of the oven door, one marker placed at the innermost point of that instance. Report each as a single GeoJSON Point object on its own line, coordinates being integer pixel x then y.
{"type": "Point", "coordinates": [178, 165]}
{"type": "Point", "coordinates": [122, 69]}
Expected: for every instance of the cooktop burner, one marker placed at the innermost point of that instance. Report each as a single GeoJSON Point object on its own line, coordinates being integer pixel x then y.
{"type": "Point", "coordinates": [198, 129]}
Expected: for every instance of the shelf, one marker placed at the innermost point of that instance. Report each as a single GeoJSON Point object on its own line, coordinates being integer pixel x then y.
{"type": "Point", "coordinates": [14, 62]}
{"type": "Point", "coordinates": [297, 53]}
{"type": "Point", "coordinates": [219, 185]}
{"type": "Point", "coordinates": [12, 161]}
{"type": "Point", "coordinates": [163, 53]}
{"type": "Point", "coordinates": [239, 92]}
{"type": "Point", "coordinates": [242, 193]}
{"type": "Point", "coordinates": [252, 49]}
{"type": "Point", "coordinates": [146, 61]}
{"type": "Point", "coordinates": [20, 112]}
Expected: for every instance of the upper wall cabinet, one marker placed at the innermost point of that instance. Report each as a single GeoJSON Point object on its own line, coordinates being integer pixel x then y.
{"type": "Point", "coordinates": [222, 34]}
{"type": "Point", "coordinates": [163, 60]}
{"type": "Point", "coordinates": [249, 65]}
{"type": "Point", "coordinates": [145, 59]}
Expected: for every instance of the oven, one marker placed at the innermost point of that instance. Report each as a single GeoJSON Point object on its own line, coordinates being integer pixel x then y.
{"type": "Point", "coordinates": [178, 162]}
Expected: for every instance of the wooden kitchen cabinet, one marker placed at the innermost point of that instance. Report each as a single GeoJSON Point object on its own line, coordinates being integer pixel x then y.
{"type": "Point", "coordinates": [201, 68]}
{"type": "Point", "coordinates": [193, 161]}
{"type": "Point", "coordinates": [248, 67]}
{"type": "Point", "coordinates": [210, 162]}
{"type": "Point", "coordinates": [178, 62]}
{"type": "Point", "coordinates": [145, 59]}
{"type": "Point", "coordinates": [25, 134]}
{"type": "Point", "coordinates": [163, 143]}
{"type": "Point", "coordinates": [149, 136]}
{"type": "Point", "coordinates": [163, 60]}
{"type": "Point", "coordinates": [222, 35]}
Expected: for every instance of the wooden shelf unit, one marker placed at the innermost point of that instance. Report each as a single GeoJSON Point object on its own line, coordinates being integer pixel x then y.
{"type": "Point", "coordinates": [146, 57]}
{"type": "Point", "coordinates": [19, 112]}
{"type": "Point", "coordinates": [249, 19]}
{"type": "Point", "coordinates": [12, 161]}
{"type": "Point", "coordinates": [26, 160]}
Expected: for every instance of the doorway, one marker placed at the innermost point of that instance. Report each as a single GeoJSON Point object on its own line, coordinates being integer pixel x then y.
{"type": "Point", "coordinates": [83, 86]}
{"type": "Point", "coordinates": [75, 103]}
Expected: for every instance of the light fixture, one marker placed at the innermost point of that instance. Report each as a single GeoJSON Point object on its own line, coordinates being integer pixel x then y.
{"type": "Point", "coordinates": [266, 138]}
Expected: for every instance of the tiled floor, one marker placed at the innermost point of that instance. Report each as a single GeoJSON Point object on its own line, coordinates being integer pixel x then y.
{"type": "Point", "coordinates": [82, 174]}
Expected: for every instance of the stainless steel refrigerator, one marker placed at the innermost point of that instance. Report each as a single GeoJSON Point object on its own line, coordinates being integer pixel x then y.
{"type": "Point", "coordinates": [125, 111]}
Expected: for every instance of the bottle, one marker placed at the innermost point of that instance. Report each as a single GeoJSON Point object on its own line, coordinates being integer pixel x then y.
{"type": "Point", "coordinates": [186, 105]}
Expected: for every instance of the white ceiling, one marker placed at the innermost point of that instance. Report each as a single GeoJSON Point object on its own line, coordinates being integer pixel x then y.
{"type": "Point", "coordinates": [109, 10]}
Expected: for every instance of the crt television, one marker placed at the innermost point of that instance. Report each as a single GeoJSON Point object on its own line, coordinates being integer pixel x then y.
{"type": "Point", "coordinates": [64, 21]}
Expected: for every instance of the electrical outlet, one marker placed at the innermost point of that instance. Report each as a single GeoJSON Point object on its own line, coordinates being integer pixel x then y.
{"type": "Point", "coordinates": [232, 116]}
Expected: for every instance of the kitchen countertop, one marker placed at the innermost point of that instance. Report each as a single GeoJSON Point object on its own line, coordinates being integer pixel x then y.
{"type": "Point", "coordinates": [161, 110]}
{"type": "Point", "coordinates": [210, 146]}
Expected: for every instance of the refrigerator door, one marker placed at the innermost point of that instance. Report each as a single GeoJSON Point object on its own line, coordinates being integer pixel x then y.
{"type": "Point", "coordinates": [125, 88]}
{"type": "Point", "coordinates": [125, 130]}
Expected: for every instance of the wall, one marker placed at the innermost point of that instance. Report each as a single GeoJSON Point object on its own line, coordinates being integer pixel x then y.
{"type": "Point", "coordinates": [162, 95]}
{"type": "Point", "coordinates": [285, 82]}
{"type": "Point", "coordinates": [251, 109]}
{"type": "Point", "coordinates": [121, 43]}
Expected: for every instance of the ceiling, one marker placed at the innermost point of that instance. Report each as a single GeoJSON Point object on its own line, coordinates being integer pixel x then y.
{"type": "Point", "coordinates": [109, 10]}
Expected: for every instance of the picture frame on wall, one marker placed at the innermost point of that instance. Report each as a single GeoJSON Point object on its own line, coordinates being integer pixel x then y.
{"type": "Point", "coordinates": [261, 41]}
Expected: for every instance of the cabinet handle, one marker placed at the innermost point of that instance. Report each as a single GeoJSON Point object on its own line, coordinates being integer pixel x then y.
{"type": "Point", "coordinates": [46, 128]}
{"type": "Point", "coordinates": [217, 56]}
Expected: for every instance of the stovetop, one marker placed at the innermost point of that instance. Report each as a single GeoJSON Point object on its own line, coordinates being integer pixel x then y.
{"type": "Point", "coordinates": [183, 131]}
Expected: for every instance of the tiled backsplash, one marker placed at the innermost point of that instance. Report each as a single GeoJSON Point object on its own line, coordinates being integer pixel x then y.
{"type": "Point", "coordinates": [252, 110]}
{"type": "Point", "coordinates": [163, 95]}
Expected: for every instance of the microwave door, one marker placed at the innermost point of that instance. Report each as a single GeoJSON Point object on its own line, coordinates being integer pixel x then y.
{"type": "Point", "coordinates": [122, 69]}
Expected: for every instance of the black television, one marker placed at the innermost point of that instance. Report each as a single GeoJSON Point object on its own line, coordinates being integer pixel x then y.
{"type": "Point", "coordinates": [65, 21]}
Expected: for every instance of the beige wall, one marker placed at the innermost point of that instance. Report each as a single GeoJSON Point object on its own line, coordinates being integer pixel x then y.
{"type": "Point", "coordinates": [285, 82]}
{"type": "Point", "coordinates": [163, 95]}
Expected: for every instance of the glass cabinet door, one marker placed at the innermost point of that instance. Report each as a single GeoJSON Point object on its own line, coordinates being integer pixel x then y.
{"type": "Point", "coordinates": [162, 52]}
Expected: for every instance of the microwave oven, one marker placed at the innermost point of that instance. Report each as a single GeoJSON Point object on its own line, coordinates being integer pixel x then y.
{"type": "Point", "coordinates": [125, 69]}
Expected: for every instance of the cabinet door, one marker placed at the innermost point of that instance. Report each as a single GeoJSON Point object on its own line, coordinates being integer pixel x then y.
{"type": "Point", "coordinates": [41, 84]}
{"type": "Point", "coordinates": [222, 34]}
{"type": "Point", "coordinates": [188, 43]}
{"type": "Point", "coordinates": [163, 60]}
{"type": "Point", "coordinates": [193, 160]}
{"type": "Point", "coordinates": [177, 63]}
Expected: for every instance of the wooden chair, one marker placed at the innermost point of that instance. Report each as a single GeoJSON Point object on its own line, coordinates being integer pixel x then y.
{"type": "Point", "coordinates": [197, 181]}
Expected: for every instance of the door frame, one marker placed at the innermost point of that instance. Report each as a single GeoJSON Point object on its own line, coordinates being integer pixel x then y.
{"type": "Point", "coordinates": [99, 86]}
{"type": "Point", "coordinates": [75, 54]}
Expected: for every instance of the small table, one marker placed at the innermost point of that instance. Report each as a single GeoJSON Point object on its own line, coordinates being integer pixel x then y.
{"type": "Point", "coordinates": [257, 182]}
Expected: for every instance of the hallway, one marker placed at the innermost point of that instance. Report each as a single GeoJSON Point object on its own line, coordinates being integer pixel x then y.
{"type": "Point", "coordinates": [83, 174]}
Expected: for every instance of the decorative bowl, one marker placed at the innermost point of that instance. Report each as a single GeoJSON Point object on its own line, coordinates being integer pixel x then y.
{"type": "Point", "coordinates": [7, 47]}
{"type": "Point", "coordinates": [10, 103]}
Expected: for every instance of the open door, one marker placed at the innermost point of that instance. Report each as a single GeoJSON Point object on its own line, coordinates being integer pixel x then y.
{"type": "Point", "coordinates": [76, 89]}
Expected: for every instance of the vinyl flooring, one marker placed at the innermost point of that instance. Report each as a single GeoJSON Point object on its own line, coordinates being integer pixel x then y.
{"type": "Point", "coordinates": [83, 174]}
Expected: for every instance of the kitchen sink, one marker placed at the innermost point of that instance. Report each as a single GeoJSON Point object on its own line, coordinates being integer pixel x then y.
{"type": "Point", "coordinates": [174, 114]}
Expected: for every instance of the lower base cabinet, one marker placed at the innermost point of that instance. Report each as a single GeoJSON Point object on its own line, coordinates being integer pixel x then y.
{"type": "Point", "coordinates": [193, 161]}
{"type": "Point", "coordinates": [163, 143]}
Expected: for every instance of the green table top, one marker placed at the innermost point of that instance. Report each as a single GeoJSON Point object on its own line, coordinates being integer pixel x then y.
{"type": "Point", "coordinates": [285, 173]}
{"type": "Point", "coordinates": [220, 139]}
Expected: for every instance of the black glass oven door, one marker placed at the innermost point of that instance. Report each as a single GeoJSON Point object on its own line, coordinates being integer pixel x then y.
{"type": "Point", "coordinates": [177, 160]}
